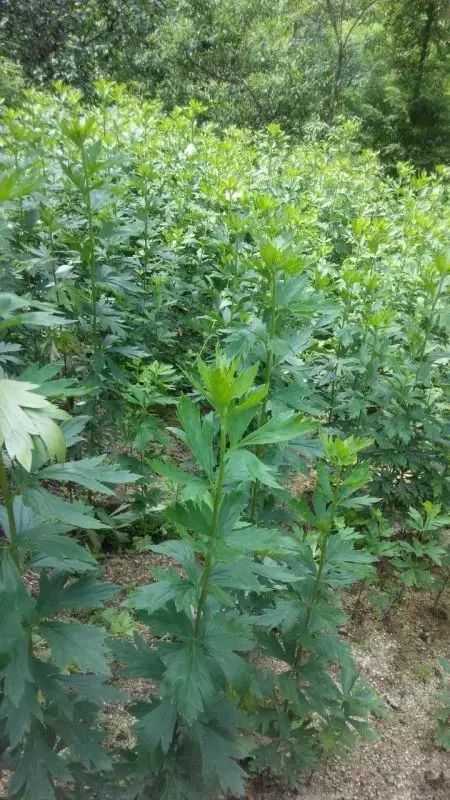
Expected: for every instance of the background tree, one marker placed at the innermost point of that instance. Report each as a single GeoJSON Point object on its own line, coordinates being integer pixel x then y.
{"type": "Point", "coordinates": [418, 36]}
{"type": "Point", "coordinates": [344, 18]}
{"type": "Point", "coordinates": [290, 61]}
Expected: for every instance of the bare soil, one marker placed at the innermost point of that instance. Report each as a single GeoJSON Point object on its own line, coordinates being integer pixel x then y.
{"type": "Point", "coordinates": [399, 656]}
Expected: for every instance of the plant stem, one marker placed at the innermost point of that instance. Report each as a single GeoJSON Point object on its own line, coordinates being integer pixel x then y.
{"type": "Point", "coordinates": [146, 211]}
{"type": "Point", "coordinates": [366, 385]}
{"type": "Point", "coordinates": [442, 589]}
{"type": "Point", "coordinates": [358, 598]}
{"type": "Point", "coordinates": [311, 604]}
{"type": "Point", "coordinates": [323, 551]}
{"type": "Point", "coordinates": [21, 214]}
{"type": "Point", "coordinates": [87, 200]}
{"type": "Point", "coordinates": [9, 505]}
{"type": "Point", "coordinates": [428, 329]}
{"type": "Point", "coordinates": [218, 496]}
{"type": "Point", "coordinates": [267, 380]}
{"type": "Point", "coordinates": [338, 355]}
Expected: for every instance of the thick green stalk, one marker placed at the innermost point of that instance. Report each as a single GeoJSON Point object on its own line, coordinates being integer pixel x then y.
{"type": "Point", "coordinates": [146, 211]}
{"type": "Point", "coordinates": [217, 502]}
{"type": "Point", "coordinates": [8, 501]}
{"type": "Point", "coordinates": [323, 551]}
{"type": "Point", "coordinates": [87, 200]}
{"type": "Point", "coordinates": [366, 385]}
{"type": "Point", "coordinates": [58, 298]}
{"type": "Point", "coordinates": [272, 329]}
{"type": "Point", "coordinates": [267, 381]}
{"type": "Point", "coordinates": [55, 279]}
{"type": "Point", "coordinates": [428, 329]}
{"type": "Point", "coordinates": [21, 214]}
{"type": "Point", "coordinates": [339, 349]}
{"type": "Point", "coordinates": [312, 602]}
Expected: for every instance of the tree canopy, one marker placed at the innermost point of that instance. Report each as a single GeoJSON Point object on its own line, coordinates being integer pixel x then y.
{"type": "Point", "coordinates": [295, 62]}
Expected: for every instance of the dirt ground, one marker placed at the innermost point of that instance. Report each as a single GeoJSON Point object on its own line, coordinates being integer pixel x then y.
{"type": "Point", "coordinates": [399, 655]}
{"type": "Point", "coordinates": [400, 659]}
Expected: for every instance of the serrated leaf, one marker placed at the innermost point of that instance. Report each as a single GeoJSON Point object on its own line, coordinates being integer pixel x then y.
{"type": "Point", "coordinates": [156, 728]}
{"type": "Point", "coordinates": [16, 605]}
{"type": "Point", "coordinates": [48, 506]}
{"type": "Point", "coordinates": [84, 745]}
{"type": "Point", "coordinates": [58, 552]}
{"type": "Point", "coordinates": [238, 422]}
{"type": "Point", "coordinates": [361, 501]}
{"type": "Point", "coordinates": [33, 780]}
{"type": "Point", "coordinates": [18, 718]}
{"type": "Point", "coordinates": [181, 552]}
{"type": "Point", "coordinates": [136, 658]}
{"type": "Point", "coordinates": [187, 680]}
{"type": "Point", "coordinates": [56, 594]}
{"type": "Point", "coordinates": [14, 184]}
{"type": "Point", "coordinates": [71, 429]}
{"type": "Point", "coordinates": [195, 488]}
{"type": "Point", "coordinates": [197, 435]}
{"type": "Point", "coordinates": [156, 595]}
{"type": "Point", "coordinates": [238, 574]}
{"type": "Point", "coordinates": [92, 688]}
{"type": "Point", "coordinates": [221, 384]}
{"type": "Point", "coordinates": [92, 473]}
{"type": "Point", "coordinates": [83, 645]}
{"type": "Point", "coordinates": [16, 675]}
{"type": "Point", "coordinates": [219, 756]}
{"type": "Point", "coordinates": [191, 516]}
{"type": "Point", "coordinates": [260, 540]}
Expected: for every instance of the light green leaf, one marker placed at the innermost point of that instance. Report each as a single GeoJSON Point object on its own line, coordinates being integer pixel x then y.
{"type": "Point", "coordinates": [280, 428]}
{"type": "Point", "coordinates": [195, 488]}
{"type": "Point", "coordinates": [23, 414]}
{"type": "Point", "coordinates": [243, 465]}
{"type": "Point", "coordinates": [197, 435]}
{"type": "Point", "coordinates": [48, 506]}
{"type": "Point", "coordinates": [156, 595]}
{"type": "Point", "coordinates": [259, 540]}
{"type": "Point", "coordinates": [89, 472]}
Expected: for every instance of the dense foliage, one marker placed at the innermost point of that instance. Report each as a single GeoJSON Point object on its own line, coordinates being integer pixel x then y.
{"type": "Point", "coordinates": [291, 302]}
{"type": "Point", "coordinates": [295, 63]}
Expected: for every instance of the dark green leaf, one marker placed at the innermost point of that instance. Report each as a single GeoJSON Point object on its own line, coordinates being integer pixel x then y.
{"type": "Point", "coordinates": [83, 645]}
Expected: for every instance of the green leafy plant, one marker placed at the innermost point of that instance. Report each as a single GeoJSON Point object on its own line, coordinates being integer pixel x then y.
{"type": "Point", "coordinates": [53, 670]}
{"type": "Point", "coordinates": [426, 550]}
{"type": "Point", "coordinates": [205, 682]}
{"type": "Point", "coordinates": [299, 627]}
{"type": "Point", "coordinates": [201, 664]}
